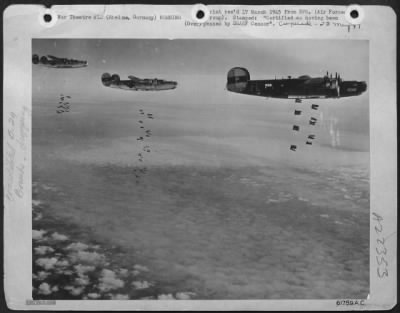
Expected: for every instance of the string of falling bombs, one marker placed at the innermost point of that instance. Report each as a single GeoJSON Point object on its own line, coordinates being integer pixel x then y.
{"type": "Point", "coordinates": [63, 104]}
{"type": "Point", "coordinates": [145, 133]}
{"type": "Point", "coordinates": [312, 122]}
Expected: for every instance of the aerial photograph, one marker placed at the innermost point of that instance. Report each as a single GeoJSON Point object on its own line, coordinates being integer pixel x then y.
{"type": "Point", "coordinates": [200, 169]}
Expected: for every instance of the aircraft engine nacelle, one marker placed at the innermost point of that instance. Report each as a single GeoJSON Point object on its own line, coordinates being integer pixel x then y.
{"type": "Point", "coordinates": [44, 60]}
{"type": "Point", "coordinates": [35, 59]}
{"type": "Point", "coordinates": [106, 79]}
{"type": "Point", "coordinates": [238, 78]}
{"type": "Point", "coordinates": [115, 78]}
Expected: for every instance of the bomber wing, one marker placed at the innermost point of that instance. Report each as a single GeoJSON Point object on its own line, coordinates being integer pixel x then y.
{"type": "Point", "coordinates": [129, 83]}
{"type": "Point", "coordinates": [53, 57]}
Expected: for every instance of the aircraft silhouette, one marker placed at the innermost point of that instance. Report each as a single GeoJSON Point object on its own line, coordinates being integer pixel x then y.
{"type": "Point", "coordinates": [303, 87]}
{"type": "Point", "coordinates": [55, 62]}
{"type": "Point", "coordinates": [134, 83]}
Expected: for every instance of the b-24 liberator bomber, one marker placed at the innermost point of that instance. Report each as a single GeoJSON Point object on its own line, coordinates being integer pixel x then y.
{"type": "Point", "coordinates": [134, 83]}
{"type": "Point", "coordinates": [55, 62]}
{"type": "Point", "coordinates": [303, 87]}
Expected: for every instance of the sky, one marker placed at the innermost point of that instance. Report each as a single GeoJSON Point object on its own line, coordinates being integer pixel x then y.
{"type": "Point", "coordinates": [190, 60]}
{"type": "Point", "coordinates": [201, 106]}
{"type": "Point", "coordinates": [213, 57]}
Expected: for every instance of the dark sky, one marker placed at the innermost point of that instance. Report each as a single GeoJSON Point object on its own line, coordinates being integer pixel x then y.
{"type": "Point", "coordinates": [263, 58]}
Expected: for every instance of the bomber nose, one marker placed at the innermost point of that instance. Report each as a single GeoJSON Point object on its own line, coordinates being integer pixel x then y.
{"type": "Point", "coordinates": [362, 86]}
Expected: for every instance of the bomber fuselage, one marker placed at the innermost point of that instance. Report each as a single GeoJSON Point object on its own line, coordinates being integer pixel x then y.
{"type": "Point", "coordinates": [54, 62]}
{"type": "Point", "coordinates": [303, 87]}
{"type": "Point", "coordinates": [137, 84]}
{"type": "Point", "coordinates": [145, 86]}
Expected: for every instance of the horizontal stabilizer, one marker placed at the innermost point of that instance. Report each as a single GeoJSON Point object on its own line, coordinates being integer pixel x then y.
{"type": "Point", "coordinates": [134, 78]}
{"type": "Point", "coordinates": [237, 79]}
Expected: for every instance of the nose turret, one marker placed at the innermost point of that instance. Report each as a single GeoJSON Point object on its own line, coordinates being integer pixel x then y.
{"type": "Point", "coordinates": [362, 86]}
{"type": "Point", "coordinates": [352, 88]}
{"type": "Point", "coordinates": [171, 85]}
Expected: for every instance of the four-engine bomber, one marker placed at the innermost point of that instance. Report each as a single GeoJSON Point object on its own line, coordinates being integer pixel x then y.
{"type": "Point", "coordinates": [55, 62]}
{"type": "Point", "coordinates": [303, 87]}
{"type": "Point", "coordinates": [135, 83]}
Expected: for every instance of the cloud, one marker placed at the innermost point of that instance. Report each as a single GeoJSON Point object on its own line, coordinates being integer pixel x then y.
{"type": "Point", "coordinates": [75, 291]}
{"type": "Point", "coordinates": [43, 250]}
{"type": "Point", "coordinates": [44, 289]}
{"type": "Point", "coordinates": [36, 203]}
{"type": "Point", "coordinates": [140, 268]}
{"type": "Point", "coordinates": [42, 275]}
{"type": "Point", "coordinates": [82, 269]}
{"type": "Point", "coordinates": [46, 187]}
{"type": "Point", "coordinates": [82, 280]}
{"type": "Point", "coordinates": [46, 263]}
{"type": "Point", "coordinates": [166, 297]}
{"type": "Point", "coordinates": [147, 298]}
{"type": "Point", "coordinates": [108, 281]}
{"type": "Point", "coordinates": [184, 295]}
{"type": "Point", "coordinates": [93, 295]}
{"type": "Point", "coordinates": [123, 272]}
{"type": "Point", "coordinates": [120, 297]}
{"type": "Point", "coordinates": [57, 236]}
{"type": "Point", "coordinates": [141, 284]}
{"type": "Point", "coordinates": [38, 216]}
{"type": "Point", "coordinates": [77, 246]}
{"type": "Point", "coordinates": [87, 257]}
{"type": "Point", "coordinates": [38, 234]}
{"type": "Point", "coordinates": [62, 263]}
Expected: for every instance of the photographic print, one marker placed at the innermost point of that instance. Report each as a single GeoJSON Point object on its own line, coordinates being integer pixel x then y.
{"type": "Point", "coordinates": [204, 169]}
